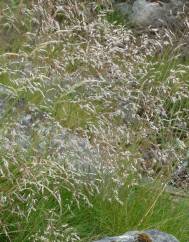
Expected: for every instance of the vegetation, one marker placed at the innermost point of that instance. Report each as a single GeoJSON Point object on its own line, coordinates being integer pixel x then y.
{"type": "Point", "coordinates": [93, 123]}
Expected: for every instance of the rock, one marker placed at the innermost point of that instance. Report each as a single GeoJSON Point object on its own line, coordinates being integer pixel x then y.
{"type": "Point", "coordinates": [151, 12]}
{"type": "Point", "coordinates": [180, 178]}
{"type": "Point", "coordinates": [129, 109]}
{"type": "Point", "coordinates": [26, 120]}
{"type": "Point", "coordinates": [2, 104]}
{"type": "Point", "coordinates": [124, 8]}
{"type": "Point", "coordinates": [147, 13]}
{"type": "Point", "coordinates": [144, 236]}
{"type": "Point", "coordinates": [39, 132]}
{"type": "Point", "coordinates": [5, 93]}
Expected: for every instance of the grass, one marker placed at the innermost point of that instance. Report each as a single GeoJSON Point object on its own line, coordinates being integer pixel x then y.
{"type": "Point", "coordinates": [93, 124]}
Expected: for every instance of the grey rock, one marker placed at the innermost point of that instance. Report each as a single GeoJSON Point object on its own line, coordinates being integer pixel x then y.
{"type": "Point", "coordinates": [133, 236]}
{"type": "Point", "coordinates": [129, 109]}
{"type": "Point", "coordinates": [147, 13]}
{"type": "Point", "coordinates": [2, 104]}
{"type": "Point", "coordinates": [153, 13]}
{"type": "Point", "coordinates": [5, 93]}
{"type": "Point", "coordinates": [124, 8]}
{"type": "Point", "coordinates": [180, 178]}
{"type": "Point", "coordinates": [44, 135]}
{"type": "Point", "coordinates": [26, 120]}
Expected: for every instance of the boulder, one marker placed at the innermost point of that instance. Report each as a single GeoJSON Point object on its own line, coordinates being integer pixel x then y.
{"type": "Point", "coordinates": [40, 132]}
{"type": "Point", "coordinates": [151, 12]}
{"type": "Point", "coordinates": [144, 236]}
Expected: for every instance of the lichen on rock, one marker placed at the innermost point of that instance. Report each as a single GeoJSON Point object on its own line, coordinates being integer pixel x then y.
{"type": "Point", "coordinates": [143, 236]}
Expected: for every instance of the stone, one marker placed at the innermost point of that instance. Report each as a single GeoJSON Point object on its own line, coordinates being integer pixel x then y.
{"type": "Point", "coordinates": [147, 13]}
{"type": "Point", "coordinates": [180, 178]}
{"type": "Point", "coordinates": [40, 132]}
{"type": "Point", "coordinates": [124, 8]}
{"type": "Point", "coordinates": [144, 236]}
{"type": "Point", "coordinates": [153, 13]}
{"type": "Point", "coordinates": [5, 93]}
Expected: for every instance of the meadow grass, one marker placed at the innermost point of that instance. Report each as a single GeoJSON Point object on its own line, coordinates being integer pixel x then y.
{"type": "Point", "coordinates": [83, 69]}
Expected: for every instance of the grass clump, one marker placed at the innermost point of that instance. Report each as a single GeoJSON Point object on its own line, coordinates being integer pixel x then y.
{"type": "Point", "coordinates": [93, 125]}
